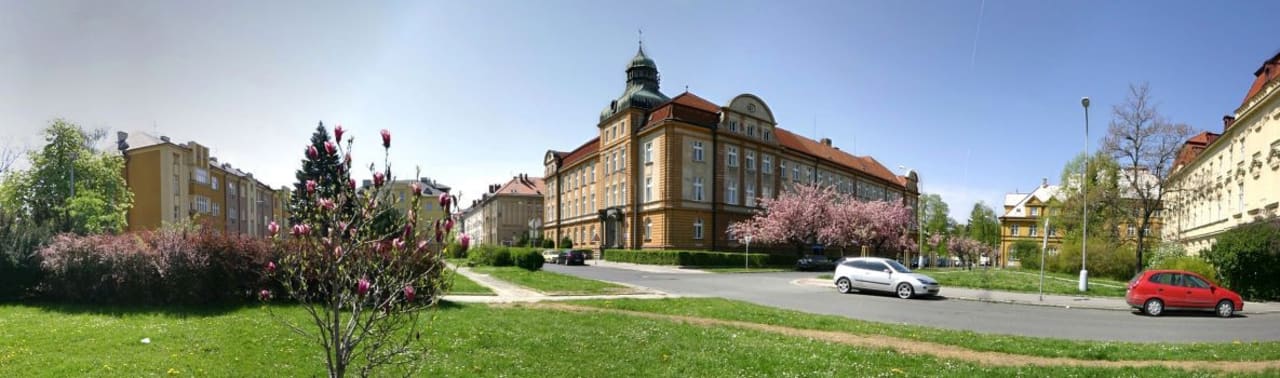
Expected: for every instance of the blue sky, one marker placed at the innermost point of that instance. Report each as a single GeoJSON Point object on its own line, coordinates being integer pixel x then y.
{"type": "Point", "coordinates": [981, 98]}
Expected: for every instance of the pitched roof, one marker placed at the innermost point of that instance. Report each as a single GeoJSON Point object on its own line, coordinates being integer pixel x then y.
{"type": "Point", "coordinates": [865, 164]}
{"type": "Point", "coordinates": [1269, 71]}
{"type": "Point", "coordinates": [693, 101]}
{"type": "Point", "coordinates": [703, 112]}
{"type": "Point", "coordinates": [1193, 147]}
{"type": "Point", "coordinates": [528, 186]}
{"type": "Point", "coordinates": [1043, 193]}
{"type": "Point", "coordinates": [582, 151]}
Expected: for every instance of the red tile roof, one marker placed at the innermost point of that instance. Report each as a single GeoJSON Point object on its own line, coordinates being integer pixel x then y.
{"type": "Point", "coordinates": [1193, 147]}
{"type": "Point", "coordinates": [582, 151]}
{"type": "Point", "coordinates": [1269, 71]}
{"type": "Point", "coordinates": [703, 112]}
{"type": "Point", "coordinates": [693, 101]}
{"type": "Point", "coordinates": [534, 186]}
{"type": "Point", "coordinates": [865, 164]}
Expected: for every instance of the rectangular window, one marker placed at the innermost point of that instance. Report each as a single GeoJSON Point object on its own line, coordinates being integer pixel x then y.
{"type": "Point", "coordinates": [231, 213]}
{"type": "Point", "coordinates": [648, 229]}
{"type": "Point", "coordinates": [766, 191]}
{"type": "Point", "coordinates": [201, 175]}
{"type": "Point", "coordinates": [751, 193]}
{"type": "Point", "coordinates": [751, 160]}
{"type": "Point", "coordinates": [732, 160]}
{"type": "Point", "coordinates": [766, 164]}
{"type": "Point", "coordinates": [648, 153]}
{"type": "Point", "coordinates": [697, 229]}
{"type": "Point", "coordinates": [213, 183]}
{"type": "Point", "coordinates": [751, 130]}
{"type": "Point", "coordinates": [697, 188]}
{"type": "Point", "coordinates": [202, 204]}
{"type": "Point", "coordinates": [216, 209]}
{"type": "Point", "coordinates": [1013, 230]}
{"type": "Point", "coordinates": [592, 196]}
{"type": "Point", "coordinates": [731, 192]}
{"type": "Point", "coordinates": [592, 168]}
{"type": "Point", "coordinates": [1131, 231]}
{"type": "Point", "coordinates": [1035, 211]}
{"type": "Point", "coordinates": [795, 173]}
{"type": "Point", "coordinates": [231, 188]}
{"type": "Point", "coordinates": [697, 151]}
{"type": "Point", "coordinates": [733, 126]}
{"type": "Point", "coordinates": [648, 189]}
{"type": "Point", "coordinates": [1031, 230]}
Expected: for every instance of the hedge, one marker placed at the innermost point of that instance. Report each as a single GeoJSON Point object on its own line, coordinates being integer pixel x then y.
{"type": "Point", "coordinates": [696, 258]}
{"type": "Point", "coordinates": [1248, 258]}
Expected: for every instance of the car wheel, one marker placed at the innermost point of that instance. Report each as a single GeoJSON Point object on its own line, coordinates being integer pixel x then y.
{"type": "Point", "coordinates": [1226, 309]}
{"type": "Point", "coordinates": [1153, 307]}
{"type": "Point", "coordinates": [844, 286]}
{"type": "Point", "coordinates": [905, 290]}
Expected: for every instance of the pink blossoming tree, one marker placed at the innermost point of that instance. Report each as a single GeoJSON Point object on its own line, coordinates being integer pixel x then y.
{"type": "Point", "coordinates": [816, 213]}
{"type": "Point", "coordinates": [364, 287]}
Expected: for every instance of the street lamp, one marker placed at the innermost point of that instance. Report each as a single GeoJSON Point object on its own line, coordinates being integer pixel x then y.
{"type": "Point", "coordinates": [919, 220]}
{"type": "Point", "coordinates": [1084, 185]}
{"type": "Point", "coordinates": [746, 256]}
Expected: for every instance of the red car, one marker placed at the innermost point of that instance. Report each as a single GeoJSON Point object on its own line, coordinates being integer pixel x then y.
{"type": "Point", "coordinates": [1155, 291]}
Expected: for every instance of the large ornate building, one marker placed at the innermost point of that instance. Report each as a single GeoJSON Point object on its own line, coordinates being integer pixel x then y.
{"type": "Point", "coordinates": [1221, 181]}
{"type": "Point", "coordinates": [673, 172]}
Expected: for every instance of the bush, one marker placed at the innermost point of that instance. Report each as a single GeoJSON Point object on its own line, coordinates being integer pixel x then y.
{"type": "Point", "coordinates": [548, 243]}
{"type": "Point", "coordinates": [697, 258]}
{"type": "Point", "coordinates": [455, 250]}
{"type": "Point", "coordinates": [1191, 264]}
{"type": "Point", "coordinates": [489, 255]}
{"type": "Point", "coordinates": [566, 243]}
{"type": "Point", "coordinates": [170, 266]}
{"type": "Point", "coordinates": [19, 262]}
{"type": "Point", "coordinates": [1106, 259]}
{"type": "Point", "coordinates": [528, 258]}
{"type": "Point", "coordinates": [1248, 258]}
{"type": "Point", "coordinates": [1027, 253]}
{"type": "Point", "coordinates": [1164, 251]}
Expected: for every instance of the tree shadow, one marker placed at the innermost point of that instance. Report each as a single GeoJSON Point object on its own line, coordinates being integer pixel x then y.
{"type": "Point", "coordinates": [176, 311]}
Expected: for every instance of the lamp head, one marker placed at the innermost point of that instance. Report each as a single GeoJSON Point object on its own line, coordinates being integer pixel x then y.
{"type": "Point", "coordinates": [1084, 101]}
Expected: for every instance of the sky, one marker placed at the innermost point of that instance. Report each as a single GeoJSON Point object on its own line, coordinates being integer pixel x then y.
{"type": "Point", "coordinates": [982, 98]}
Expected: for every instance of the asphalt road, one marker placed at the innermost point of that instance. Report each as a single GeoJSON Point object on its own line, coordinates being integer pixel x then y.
{"type": "Point", "coordinates": [776, 290]}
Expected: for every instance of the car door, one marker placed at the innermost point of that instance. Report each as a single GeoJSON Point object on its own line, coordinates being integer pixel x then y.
{"type": "Point", "coordinates": [1160, 285]}
{"type": "Point", "coordinates": [1174, 292]}
{"type": "Point", "coordinates": [1197, 291]}
{"type": "Point", "coordinates": [878, 276]}
{"type": "Point", "coordinates": [862, 274]}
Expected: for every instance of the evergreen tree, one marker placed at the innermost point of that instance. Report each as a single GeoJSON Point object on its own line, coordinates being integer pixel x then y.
{"type": "Point", "coordinates": [325, 166]}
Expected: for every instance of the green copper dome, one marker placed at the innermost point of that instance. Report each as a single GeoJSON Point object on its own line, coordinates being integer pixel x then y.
{"type": "Point", "coordinates": [642, 87]}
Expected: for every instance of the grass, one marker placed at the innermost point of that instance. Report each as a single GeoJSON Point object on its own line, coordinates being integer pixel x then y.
{"type": "Point", "coordinates": [1022, 345]}
{"type": "Point", "coordinates": [1020, 281]}
{"type": "Point", "coordinates": [465, 340]}
{"type": "Point", "coordinates": [826, 276]}
{"type": "Point", "coordinates": [465, 286]}
{"type": "Point", "coordinates": [552, 283]}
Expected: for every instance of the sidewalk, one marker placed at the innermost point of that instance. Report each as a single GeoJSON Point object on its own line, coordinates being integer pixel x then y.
{"type": "Point", "coordinates": [507, 292]}
{"type": "Point", "coordinates": [1052, 300]}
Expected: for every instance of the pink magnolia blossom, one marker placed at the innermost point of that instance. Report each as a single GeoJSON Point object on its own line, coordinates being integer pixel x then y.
{"type": "Point", "coordinates": [464, 241]}
{"type": "Point", "coordinates": [312, 153]}
{"type": "Point", "coordinates": [330, 148]}
{"type": "Point", "coordinates": [311, 186]}
{"type": "Point", "coordinates": [417, 189]}
{"type": "Point", "coordinates": [378, 179]}
{"type": "Point", "coordinates": [264, 295]}
{"type": "Point", "coordinates": [346, 160]}
{"type": "Point", "coordinates": [409, 293]}
{"type": "Point", "coordinates": [386, 138]}
{"type": "Point", "coordinates": [273, 228]}
{"type": "Point", "coordinates": [301, 230]}
{"type": "Point", "coordinates": [337, 132]}
{"type": "Point", "coordinates": [325, 203]}
{"type": "Point", "coordinates": [271, 267]}
{"type": "Point", "coordinates": [444, 201]}
{"type": "Point", "coordinates": [448, 225]}
{"type": "Point", "coordinates": [398, 243]}
{"type": "Point", "coordinates": [351, 184]}
{"type": "Point", "coordinates": [362, 287]}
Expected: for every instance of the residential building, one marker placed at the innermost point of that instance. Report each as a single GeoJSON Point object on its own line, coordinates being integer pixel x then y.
{"type": "Point", "coordinates": [1024, 220]}
{"type": "Point", "coordinates": [674, 172]}
{"type": "Point", "coordinates": [174, 182]}
{"type": "Point", "coordinates": [400, 193]}
{"type": "Point", "coordinates": [1223, 180]}
{"type": "Point", "coordinates": [506, 211]}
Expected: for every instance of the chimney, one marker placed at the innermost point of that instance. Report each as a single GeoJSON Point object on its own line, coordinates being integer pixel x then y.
{"type": "Point", "coordinates": [1044, 182]}
{"type": "Point", "coordinates": [826, 141]}
{"type": "Point", "coordinates": [164, 138]}
{"type": "Point", "coordinates": [1227, 121]}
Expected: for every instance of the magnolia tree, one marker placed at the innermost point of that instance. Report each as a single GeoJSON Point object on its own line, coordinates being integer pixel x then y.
{"type": "Point", "coordinates": [815, 213]}
{"type": "Point", "coordinates": [364, 287]}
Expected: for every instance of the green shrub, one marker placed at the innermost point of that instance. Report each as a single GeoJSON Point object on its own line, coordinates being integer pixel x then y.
{"type": "Point", "coordinates": [455, 250]}
{"type": "Point", "coordinates": [697, 258]}
{"type": "Point", "coordinates": [1106, 259]}
{"type": "Point", "coordinates": [566, 242]}
{"type": "Point", "coordinates": [548, 243]}
{"type": "Point", "coordinates": [1027, 253]}
{"type": "Point", "coordinates": [1165, 251]}
{"type": "Point", "coordinates": [489, 255]}
{"type": "Point", "coordinates": [19, 262]}
{"type": "Point", "coordinates": [1191, 264]}
{"type": "Point", "coordinates": [528, 258]}
{"type": "Point", "coordinates": [1248, 258]}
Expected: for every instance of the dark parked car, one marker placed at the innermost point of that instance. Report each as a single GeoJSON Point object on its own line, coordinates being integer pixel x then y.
{"type": "Point", "coordinates": [572, 258]}
{"type": "Point", "coordinates": [815, 262]}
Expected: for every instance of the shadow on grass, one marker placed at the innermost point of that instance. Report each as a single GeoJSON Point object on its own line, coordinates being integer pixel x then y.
{"type": "Point", "coordinates": [177, 311]}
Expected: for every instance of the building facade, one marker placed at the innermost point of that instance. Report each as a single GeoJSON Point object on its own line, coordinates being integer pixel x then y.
{"type": "Point", "coordinates": [1221, 181]}
{"type": "Point", "coordinates": [506, 212]}
{"type": "Point", "coordinates": [175, 182]}
{"type": "Point", "coordinates": [674, 173]}
{"type": "Point", "coordinates": [400, 193]}
{"type": "Point", "coordinates": [1024, 220]}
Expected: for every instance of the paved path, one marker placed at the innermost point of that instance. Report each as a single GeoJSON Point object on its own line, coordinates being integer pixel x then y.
{"type": "Point", "coordinates": [1078, 322]}
{"type": "Point", "coordinates": [507, 292]}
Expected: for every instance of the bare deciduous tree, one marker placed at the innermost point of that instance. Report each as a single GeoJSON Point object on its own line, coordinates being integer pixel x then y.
{"type": "Point", "coordinates": [1145, 144]}
{"type": "Point", "coordinates": [8, 156]}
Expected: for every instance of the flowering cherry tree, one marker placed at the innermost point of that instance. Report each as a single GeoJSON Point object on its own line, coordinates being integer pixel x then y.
{"type": "Point", "coordinates": [795, 217]}
{"type": "Point", "coordinates": [967, 249]}
{"type": "Point", "coordinates": [364, 287]}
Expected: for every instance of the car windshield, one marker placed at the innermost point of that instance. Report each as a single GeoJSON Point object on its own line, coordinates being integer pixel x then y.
{"type": "Point", "coordinates": [897, 267]}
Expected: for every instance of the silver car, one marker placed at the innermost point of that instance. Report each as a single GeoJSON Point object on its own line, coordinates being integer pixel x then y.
{"type": "Point", "coordinates": [881, 274]}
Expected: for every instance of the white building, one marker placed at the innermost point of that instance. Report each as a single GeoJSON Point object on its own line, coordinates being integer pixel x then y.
{"type": "Point", "coordinates": [1221, 181]}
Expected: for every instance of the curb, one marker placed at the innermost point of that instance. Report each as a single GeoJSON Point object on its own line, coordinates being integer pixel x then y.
{"type": "Point", "coordinates": [823, 283]}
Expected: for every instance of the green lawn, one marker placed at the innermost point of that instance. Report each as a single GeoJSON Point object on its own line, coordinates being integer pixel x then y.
{"type": "Point", "coordinates": [552, 283]}
{"type": "Point", "coordinates": [1020, 281]}
{"type": "Point", "coordinates": [1033, 346]}
{"type": "Point", "coordinates": [465, 286]}
{"type": "Point", "coordinates": [465, 340]}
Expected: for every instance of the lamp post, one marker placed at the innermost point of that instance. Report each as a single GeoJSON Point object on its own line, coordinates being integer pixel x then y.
{"type": "Point", "coordinates": [919, 220]}
{"type": "Point", "coordinates": [746, 256]}
{"type": "Point", "coordinates": [1084, 185]}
